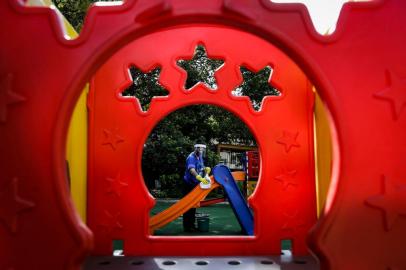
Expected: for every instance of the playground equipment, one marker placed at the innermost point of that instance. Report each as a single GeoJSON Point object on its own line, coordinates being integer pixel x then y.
{"type": "Point", "coordinates": [238, 176]}
{"type": "Point", "coordinates": [118, 129]}
{"type": "Point", "coordinates": [241, 210]}
{"type": "Point", "coordinates": [359, 72]}
{"type": "Point", "coordinates": [194, 199]}
{"type": "Point", "coordinates": [251, 165]}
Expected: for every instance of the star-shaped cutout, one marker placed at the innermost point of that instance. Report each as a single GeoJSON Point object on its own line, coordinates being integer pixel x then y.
{"type": "Point", "coordinates": [200, 69]}
{"type": "Point", "coordinates": [392, 202]}
{"type": "Point", "coordinates": [116, 184]}
{"type": "Point", "coordinates": [287, 179]}
{"type": "Point", "coordinates": [289, 140]}
{"type": "Point", "coordinates": [12, 205]}
{"type": "Point", "coordinates": [110, 222]}
{"type": "Point", "coordinates": [112, 138]}
{"type": "Point", "coordinates": [145, 86]}
{"type": "Point", "coordinates": [395, 94]}
{"type": "Point", "coordinates": [324, 14]}
{"type": "Point", "coordinates": [7, 96]}
{"type": "Point", "coordinates": [256, 85]}
{"type": "Point", "coordinates": [293, 222]}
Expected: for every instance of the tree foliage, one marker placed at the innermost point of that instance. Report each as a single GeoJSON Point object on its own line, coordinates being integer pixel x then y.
{"type": "Point", "coordinates": [200, 68]}
{"type": "Point", "coordinates": [172, 140]}
{"type": "Point", "coordinates": [75, 11]}
{"type": "Point", "coordinates": [148, 83]}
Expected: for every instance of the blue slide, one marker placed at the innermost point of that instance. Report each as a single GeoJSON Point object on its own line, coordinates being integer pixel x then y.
{"type": "Point", "coordinates": [244, 215]}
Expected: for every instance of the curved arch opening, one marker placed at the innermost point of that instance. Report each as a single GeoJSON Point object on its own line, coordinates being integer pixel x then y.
{"type": "Point", "coordinates": [166, 158]}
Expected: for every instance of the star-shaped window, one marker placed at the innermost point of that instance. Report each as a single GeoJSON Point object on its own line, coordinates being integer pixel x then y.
{"type": "Point", "coordinates": [200, 69]}
{"type": "Point", "coordinates": [256, 85]}
{"type": "Point", "coordinates": [145, 86]}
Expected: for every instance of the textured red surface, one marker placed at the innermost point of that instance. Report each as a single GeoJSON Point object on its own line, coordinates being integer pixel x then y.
{"type": "Point", "coordinates": [359, 71]}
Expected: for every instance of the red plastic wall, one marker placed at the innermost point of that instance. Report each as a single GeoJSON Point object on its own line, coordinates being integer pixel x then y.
{"type": "Point", "coordinates": [359, 71]}
{"type": "Point", "coordinates": [290, 207]}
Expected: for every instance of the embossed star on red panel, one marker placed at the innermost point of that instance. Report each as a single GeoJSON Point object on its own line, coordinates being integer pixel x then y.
{"type": "Point", "coordinates": [12, 205]}
{"type": "Point", "coordinates": [7, 96]}
{"type": "Point", "coordinates": [116, 184]}
{"type": "Point", "coordinates": [287, 179]}
{"type": "Point", "coordinates": [293, 222]}
{"type": "Point", "coordinates": [392, 202]}
{"type": "Point", "coordinates": [395, 94]}
{"type": "Point", "coordinates": [112, 138]}
{"type": "Point", "coordinates": [110, 222]}
{"type": "Point", "coordinates": [288, 139]}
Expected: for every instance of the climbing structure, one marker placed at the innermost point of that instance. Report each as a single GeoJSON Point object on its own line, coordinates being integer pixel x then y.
{"type": "Point", "coordinates": [359, 72]}
{"type": "Point", "coordinates": [119, 202]}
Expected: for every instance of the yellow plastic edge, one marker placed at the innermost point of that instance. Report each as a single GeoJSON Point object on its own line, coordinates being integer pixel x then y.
{"type": "Point", "coordinates": [323, 152]}
{"type": "Point", "coordinates": [76, 145]}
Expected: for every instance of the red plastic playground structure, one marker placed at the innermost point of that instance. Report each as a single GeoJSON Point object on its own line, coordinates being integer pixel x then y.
{"type": "Point", "coordinates": [359, 71]}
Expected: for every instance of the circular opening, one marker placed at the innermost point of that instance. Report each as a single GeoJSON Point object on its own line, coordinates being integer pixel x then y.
{"type": "Point", "coordinates": [202, 263]}
{"type": "Point", "coordinates": [170, 153]}
{"type": "Point", "coordinates": [234, 263]}
{"type": "Point", "coordinates": [169, 263]}
{"type": "Point", "coordinates": [267, 262]}
{"type": "Point", "coordinates": [116, 143]}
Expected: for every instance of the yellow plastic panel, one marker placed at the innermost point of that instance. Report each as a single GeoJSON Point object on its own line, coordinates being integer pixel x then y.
{"type": "Point", "coordinates": [76, 154]}
{"type": "Point", "coordinates": [323, 152]}
{"type": "Point", "coordinates": [76, 148]}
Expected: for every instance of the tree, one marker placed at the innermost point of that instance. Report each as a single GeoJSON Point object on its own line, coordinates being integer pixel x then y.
{"type": "Point", "coordinates": [172, 140]}
{"type": "Point", "coordinates": [75, 11]}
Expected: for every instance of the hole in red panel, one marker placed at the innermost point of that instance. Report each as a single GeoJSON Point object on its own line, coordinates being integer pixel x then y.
{"type": "Point", "coordinates": [145, 86]}
{"type": "Point", "coordinates": [171, 153]}
{"type": "Point", "coordinates": [200, 69]}
{"type": "Point", "coordinates": [118, 247]}
{"type": "Point", "coordinates": [286, 244]}
{"type": "Point", "coordinates": [256, 85]}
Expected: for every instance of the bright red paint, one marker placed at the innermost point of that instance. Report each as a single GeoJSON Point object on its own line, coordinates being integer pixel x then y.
{"type": "Point", "coordinates": [350, 69]}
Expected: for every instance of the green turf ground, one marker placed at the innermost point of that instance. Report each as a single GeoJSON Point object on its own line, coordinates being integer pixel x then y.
{"type": "Point", "coordinates": [222, 221]}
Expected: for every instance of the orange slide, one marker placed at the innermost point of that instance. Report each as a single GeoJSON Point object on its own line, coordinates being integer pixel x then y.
{"type": "Point", "coordinates": [189, 201]}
